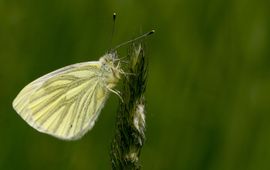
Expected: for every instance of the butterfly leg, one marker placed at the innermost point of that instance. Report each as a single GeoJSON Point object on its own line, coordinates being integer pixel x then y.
{"type": "Point", "coordinates": [118, 93]}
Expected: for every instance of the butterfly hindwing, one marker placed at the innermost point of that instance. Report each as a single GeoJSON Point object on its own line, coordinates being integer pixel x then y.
{"type": "Point", "coordinates": [64, 103]}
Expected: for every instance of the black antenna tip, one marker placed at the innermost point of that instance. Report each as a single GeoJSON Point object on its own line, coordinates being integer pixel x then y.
{"type": "Point", "coordinates": [151, 32]}
{"type": "Point", "coordinates": [114, 16]}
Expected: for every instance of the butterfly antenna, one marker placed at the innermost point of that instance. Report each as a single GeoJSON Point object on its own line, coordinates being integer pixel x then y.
{"type": "Point", "coordinates": [113, 29]}
{"type": "Point", "coordinates": [133, 40]}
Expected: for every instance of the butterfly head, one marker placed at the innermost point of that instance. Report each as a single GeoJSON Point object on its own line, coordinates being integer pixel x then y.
{"type": "Point", "coordinates": [110, 64]}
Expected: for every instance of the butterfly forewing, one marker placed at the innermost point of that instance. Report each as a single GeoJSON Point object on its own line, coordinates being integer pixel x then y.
{"type": "Point", "coordinates": [64, 103]}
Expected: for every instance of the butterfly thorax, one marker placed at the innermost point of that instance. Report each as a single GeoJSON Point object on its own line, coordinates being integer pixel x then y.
{"type": "Point", "coordinates": [110, 69]}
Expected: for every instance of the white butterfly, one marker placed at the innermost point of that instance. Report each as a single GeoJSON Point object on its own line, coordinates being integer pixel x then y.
{"type": "Point", "coordinates": [66, 103]}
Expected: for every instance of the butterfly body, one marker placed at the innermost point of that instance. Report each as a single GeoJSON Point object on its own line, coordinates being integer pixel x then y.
{"type": "Point", "coordinates": [66, 103]}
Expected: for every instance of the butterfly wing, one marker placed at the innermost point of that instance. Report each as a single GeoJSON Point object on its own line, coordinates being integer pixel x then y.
{"type": "Point", "coordinates": [64, 103]}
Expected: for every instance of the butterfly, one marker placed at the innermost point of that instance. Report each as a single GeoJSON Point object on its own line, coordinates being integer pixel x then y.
{"type": "Point", "coordinates": [67, 102]}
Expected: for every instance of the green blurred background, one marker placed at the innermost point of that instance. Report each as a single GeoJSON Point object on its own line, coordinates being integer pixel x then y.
{"type": "Point", "coordinates": [208, 91]}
